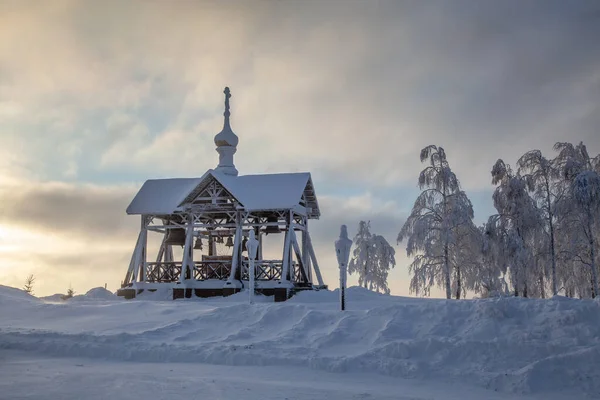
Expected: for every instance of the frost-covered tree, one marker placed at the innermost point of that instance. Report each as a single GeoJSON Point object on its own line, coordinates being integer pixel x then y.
{"type": "Point", "coordinates": [517, 220]}
{"type": "Point", "coordinates": [586, 193]}
{"type": "Point", "coordinates": [488, 279]}
{"type": "Point", "coordinates": [432, 227]}
{"type": "Point", "coordinates": [541, 175]}
{"type": "Point", "coordinates": [384, 258]}
{"type": "Point", "coordinates": [465, 251]}
{"type": "Point", "coordinates": [581, 219]}
{"type": "Point", "coordinates": [360, 263]}
{"type": "Point", "coordinates": [372, 258]}
{"type": "Point", "coordinates": [541, 266]}
{"type": "Point", "coordinates": [29, 284]}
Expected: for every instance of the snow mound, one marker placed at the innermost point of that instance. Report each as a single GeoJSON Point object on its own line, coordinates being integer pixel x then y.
{"type": "Point", "coordinates": [55, 298]}
{"type": "Point", "coordinates": [95, 294]}
{"type": "Point", "coordinates": [503, 344]}
{"type": "Point", "coordinates": [354, 294]}
{"type": "Point", "coordinates": [13, 296]}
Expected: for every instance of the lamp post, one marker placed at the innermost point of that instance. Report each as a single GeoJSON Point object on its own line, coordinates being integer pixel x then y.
{"type": "Point", "coordinates": [342, 251]}
{"type": "Point", "coordinates": [252, 247]}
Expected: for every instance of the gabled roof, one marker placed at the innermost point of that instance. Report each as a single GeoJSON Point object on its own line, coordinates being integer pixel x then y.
{"type": "Point", "coordinates": [253, 192]}
{"type": "Point", "coordinates": [266, 192]}
{"type": "Point", "coordinates": [162, 196]}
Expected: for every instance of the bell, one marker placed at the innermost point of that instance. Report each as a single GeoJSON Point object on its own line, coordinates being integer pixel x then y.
{"type": "Point", "coordinates": [219, 239]}
{"type": "Point", "coordinates": [229, 241]}
{"type": "Point", "coordinates": [272, 228]}
{"type": "Point", "coordinates": [244, 241]}
{"type": "Point", "coordinates": [175, 236]}
{"type": "Point", "coordinates": [198, 245]}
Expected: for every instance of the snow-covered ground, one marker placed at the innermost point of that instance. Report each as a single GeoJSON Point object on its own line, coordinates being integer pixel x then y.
{"type": "Point", "coordinates": [382, 347]}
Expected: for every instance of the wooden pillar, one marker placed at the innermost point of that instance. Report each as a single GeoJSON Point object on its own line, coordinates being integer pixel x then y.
{"type": "Point", "coordinates": [285, 273]}
{"type": "Point", "coordinates": [260, 245]}
{"type": "Point", "coordinates": [162, 253]}
{"type": "Point", "coordinates": [132, 271]}
{"type": "Point", "coordinates": [237, 243]}
{"type": "Point", "coordinates": [313, 257]}
{"type": "Point", "coordinates": [144, 245]}
{"type": "Point", "coordinates": [299, 257]}
{"type": "Point", "coordinates": [305, 255]}
{"type": "Point", "coordinates": [168, 253]}
{"type": "Point", "coordinates": [211, 244]}
{"type": "Point", "coordinates": [187, 264]}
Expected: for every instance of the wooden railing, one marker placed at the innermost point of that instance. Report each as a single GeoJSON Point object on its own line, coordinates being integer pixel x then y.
{"type": "Point", "coordinates": [265, 270]}
{"type": "Point", "coordinates": [163, 271]}
{"type": "Point", "coordinates": [212, 270]}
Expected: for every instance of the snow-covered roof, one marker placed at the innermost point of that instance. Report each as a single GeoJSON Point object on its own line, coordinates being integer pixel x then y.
{"type": "Point", "coordinates": [162, 196]}
{"type": "Point", "coordinates": [253, 192]}
{"type": "Point", "coordinates": [266, 191]}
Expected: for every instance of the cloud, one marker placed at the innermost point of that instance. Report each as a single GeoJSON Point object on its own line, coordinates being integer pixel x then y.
{"type": "Point", "coordinates": [68, 209]}
{"type": "Point", "coordinates": [354, 93]}
{"type": "Point", "coordinates": [65, 233]}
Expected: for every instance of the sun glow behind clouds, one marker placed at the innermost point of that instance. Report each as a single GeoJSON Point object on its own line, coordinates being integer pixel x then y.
{"type": "Point", "coordinates": [58, 260]}
{"type": "Point", "coordinates": [13, 239]}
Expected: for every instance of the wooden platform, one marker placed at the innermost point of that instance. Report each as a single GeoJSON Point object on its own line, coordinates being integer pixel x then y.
{"type": "Point", "coordinates": [280, 294]}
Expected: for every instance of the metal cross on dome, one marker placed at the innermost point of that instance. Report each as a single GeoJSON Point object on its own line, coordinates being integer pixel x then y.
{"type": "Point", "coordinates": [227, 96]}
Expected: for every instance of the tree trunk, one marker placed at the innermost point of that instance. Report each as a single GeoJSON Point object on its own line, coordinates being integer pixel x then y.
{"type": "Point", "coordinates": [447, 271]}
{"type": "Point", "coordinates": [592, 255]}
{"type": "Point", "coordinates": [516, 282]}
{"type": "Point", "coordinates": [543, 291]}
{"type": "Point", "coordinates": [366, 267]}
{"type": "Point", "coordinates": [553, 255]}
{"type": "Point", "coordinates": [525, 288]}
{"type": "Point", "coordinates": [446, 244]}
{"type": "Point", "coordinates": [458, 283]}
{"type": "Point", "coordinates": [552, 249]}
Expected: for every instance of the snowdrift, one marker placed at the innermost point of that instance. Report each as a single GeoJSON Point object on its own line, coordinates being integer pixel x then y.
{"type": "Point", "coordinates": [55, 298]}
{"type": "Point", "coordinates": [10, 296]}
{"type": "Point", "coordinates": [505, 344]}
{"type": "Point", "coordinates": [94, 294]}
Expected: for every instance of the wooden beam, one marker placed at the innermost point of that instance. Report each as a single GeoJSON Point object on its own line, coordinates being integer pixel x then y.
{"type": "Point", "coordinates": [237, 241]}
{"type": "Point", "coordinates": [305, 255]}
{"type": "Point", "coordinates": [144, 247]}
{"type": "Point", "coordinates": [260, 246]}
{"type": "Point", "coordinates": [187, 262]}
{"type": "Point", "coordinates": [299, 257]}
{"type": "Point", "coordinates": [131, 274]}
{"type": "Point", "coordinates": [286, 253]}
{"type": "Point", "coordinates": [313, 258]}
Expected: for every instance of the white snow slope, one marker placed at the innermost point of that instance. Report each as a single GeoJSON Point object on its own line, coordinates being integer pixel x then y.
{"type": "Point", "coordinates": [539, 348]}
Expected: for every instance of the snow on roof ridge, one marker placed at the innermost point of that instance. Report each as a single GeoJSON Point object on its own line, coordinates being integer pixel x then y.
{"type": "Point", "coordinates": [255, 191]}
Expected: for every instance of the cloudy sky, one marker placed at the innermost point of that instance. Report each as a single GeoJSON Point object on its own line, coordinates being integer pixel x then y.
{"type": "Point", "coordinates": [96, 97]}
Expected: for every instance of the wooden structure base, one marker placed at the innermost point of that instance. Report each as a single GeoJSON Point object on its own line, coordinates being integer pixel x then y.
{"type": "Point", "coordinates": [279, 294]}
